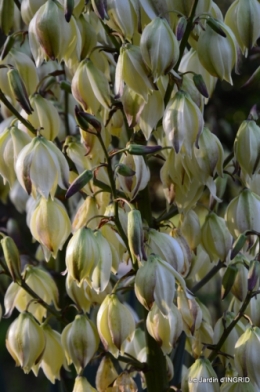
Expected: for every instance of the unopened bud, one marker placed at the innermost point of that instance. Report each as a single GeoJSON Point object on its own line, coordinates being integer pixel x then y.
{"type": "Point", "coordinates": [201, 86]}
{"type": "Point", "coordinates": [85, 119]}
{"type": "Point", "coordinates": [138, 149]}
{"type": "Point", "coordinates": [253, 274]}
{"type": "Point", "coordinates": [19, 90]}
{"type": "Point", "coordinates": [68, 9]}
{"type": "Point", "coordinates": [135, 235]}
{"type": "Point", "coordinates": [82, 180]}
{"type": "Point", "coordinates": [181, 27]}
{"type": "Point", "coordinates": [228, 280]}
{"type": "Point", "coordinates": [12, 258]}
{"type": "Point", "coordinates": [100, 8]}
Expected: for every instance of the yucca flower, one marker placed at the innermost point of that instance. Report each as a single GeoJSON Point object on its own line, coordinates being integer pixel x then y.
{"type": "Point", "coordinates": [47, 219]}
{"type": "Point", "coordinates": [25, 341]}
{"type": "Point", "coordinates": [41, 167]}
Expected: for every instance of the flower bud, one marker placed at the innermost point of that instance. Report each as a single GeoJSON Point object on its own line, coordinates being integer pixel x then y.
{"type": "Point", "coordinates": [215, 237]}
{"type": "Point", "coordinates": [182, 122]}
{"type": "Point", "coordinates": [46, 221]}
{"type": "Point", "coordinates": [80, 341]}
{"type": "Point", "coordinates": [131, 70]}
{"type": "Point", "coordinates": [106, 374]}
{"type": "Point", "coordinates": [253, 274]}
{"type": "Point", "coordinates": [19, 90]}
{"type": "Point", "coordinates": [243, 17]}
{"type": "Point", "coordinates": [165, 330]}
{"type": "Point", "coordinates": [218, 54]}
{"type": "Point", "coordinates": [53, 357]}
{"type": "Point", "coordinates": [82, 385]}
{"type": "Point", "coordinates": [243, 213]}
{"type": "Point", "coordinates": [25, 341]}
{"type": "Point", "coordinates": [135, 235]}
{"type": "Point", "coordinates": [247, 146]}
{"type": "Point", "coordinates": [82, 255]}
{"type": "Point", "coordinates": [190, 62]}
{"type": "Point", "coordinates": [246, 355]}
{"type": "Point", "coordinates": [90, 87]}
{"type": "Point", "coordinates": [122, 17]}
{"type": "Point", "coordinates": [201, 369]}
{"type": "Point", "coordinates": [155, 282]}
{"type": "Point", "coordinates": [12, 258]}
{"type": "Point", "coordinates": [166, 247]}
{"type": "Point", "coordinates": [41, 283]}
{"type": "Point", "coordinates": [26, 68]}
{"type": "Point", "coordinates": [50, 36]}
{"type": "Point", "coordinates": [159, 47]}
{"type": "Point", "coordinates": [131, 185]}
{"type": "Point", "coordinates": [41, 166]}
{"type": "Point", "coordinates": [228, 280]}
{"type": "Point", "coordinates": [115, 324]}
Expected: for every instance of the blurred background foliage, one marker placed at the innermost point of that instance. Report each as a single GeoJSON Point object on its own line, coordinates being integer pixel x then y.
{"type": "Point", "coordinates": [227, 108]}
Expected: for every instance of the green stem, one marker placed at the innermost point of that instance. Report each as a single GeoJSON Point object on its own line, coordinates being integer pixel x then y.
{"type": "Point", "coordinates": [183, 44]}
{"type": "Point", "coordinates": [156, 374]}
{"type": "Point", "coordinates": [227, 330]}
{"type": "Point", "coordinates": [114, 194]}
{"type": "Point", "coordinates": [66, 108]}
{"type": "Point", "coordinates": [173, 211]}
{"type": "Point", "coordinates": [54, 312]}
{"type": "Point", "coordinates": [208, 277]}
{"type": "Point", "coordinates": [8, 104]}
